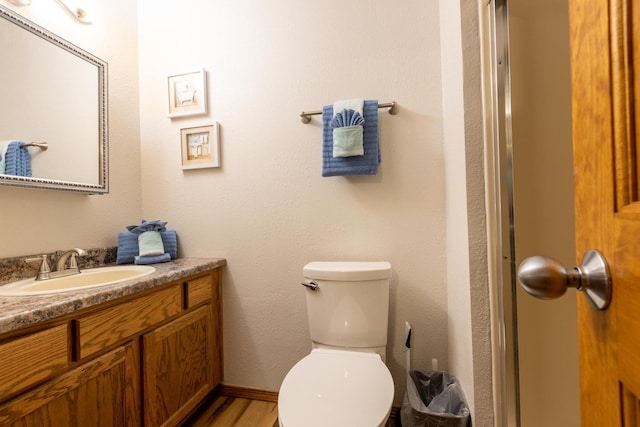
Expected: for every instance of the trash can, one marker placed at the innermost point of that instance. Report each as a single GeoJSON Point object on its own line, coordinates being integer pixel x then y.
{"type": "Point", "coordinates": [434, 399]}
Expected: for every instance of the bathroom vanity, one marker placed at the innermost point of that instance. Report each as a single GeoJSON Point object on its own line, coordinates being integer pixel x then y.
{"type": "Point", "coordinates": [144, 352]}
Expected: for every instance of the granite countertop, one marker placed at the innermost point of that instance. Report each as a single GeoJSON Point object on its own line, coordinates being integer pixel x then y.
{"type": "Point", "coordinates": [21, 311]}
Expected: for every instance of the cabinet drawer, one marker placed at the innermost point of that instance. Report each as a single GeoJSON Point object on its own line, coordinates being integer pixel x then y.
{"type": "Point", "coordinates": [198, 291]}
{"type": "Point", "coordinates": [107, 327]}
{"type": "Point", "coordinates": [32, 358]}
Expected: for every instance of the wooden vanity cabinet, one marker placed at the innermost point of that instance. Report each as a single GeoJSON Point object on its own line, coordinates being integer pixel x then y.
{"type": "Point", "coordinates": [183, 359]}
{"type": "Point", "coordinates": [148, 360]}
{"type": "Point", "coordinates": [178, 368]}
{"type": "Point", "coordinates": [98, 393]}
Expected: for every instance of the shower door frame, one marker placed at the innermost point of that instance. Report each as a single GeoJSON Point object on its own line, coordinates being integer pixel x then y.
{"type": "Point", "coordinates": [500, 211]}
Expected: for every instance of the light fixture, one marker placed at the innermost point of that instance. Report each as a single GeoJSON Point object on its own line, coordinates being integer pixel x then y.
{"type": "Point", "coordinates": [77, 13]}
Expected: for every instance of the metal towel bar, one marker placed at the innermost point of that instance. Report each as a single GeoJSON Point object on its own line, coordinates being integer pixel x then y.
{"type": "Point", "coordinates": [305, 116]}
{"type": "Point", "coordinates": [41, 145]}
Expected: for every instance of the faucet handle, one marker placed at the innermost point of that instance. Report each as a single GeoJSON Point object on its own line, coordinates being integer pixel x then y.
{"type": "Point", "coordinates": [72, 261]}
{"type": "Point", "coordinates": [44, 269]}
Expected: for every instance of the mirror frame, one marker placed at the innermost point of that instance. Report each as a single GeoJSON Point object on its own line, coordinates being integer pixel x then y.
{"type": "Point", "coordinates": [102, 187]}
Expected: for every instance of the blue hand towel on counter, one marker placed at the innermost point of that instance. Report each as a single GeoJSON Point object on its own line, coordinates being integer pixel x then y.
{"type": "Point", "coordinates": [366, 164]}
{"type": "Point", "coordinates": [128, 248]}
{"type": "Point", "coordinates": [150, 243]}
{"type": "Point", "coordinates": [147, 226]}
{"type": "Point", "coordinates": [170, 242]}
{"type": "Point", "coordinates": [17, 160]}
{"type": "Point", "coordinates": [152, 259]}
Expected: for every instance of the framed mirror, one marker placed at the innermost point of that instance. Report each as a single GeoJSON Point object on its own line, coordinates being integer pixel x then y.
{"type": "Point", "coordinates": [54, 103]}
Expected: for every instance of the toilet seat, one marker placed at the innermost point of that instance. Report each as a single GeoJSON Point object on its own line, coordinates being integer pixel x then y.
{"type": "Point", "coordinates": [336, 388]}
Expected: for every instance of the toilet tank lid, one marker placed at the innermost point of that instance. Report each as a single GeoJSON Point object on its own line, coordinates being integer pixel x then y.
{"type": "Point", "coordinates": [347, 270]}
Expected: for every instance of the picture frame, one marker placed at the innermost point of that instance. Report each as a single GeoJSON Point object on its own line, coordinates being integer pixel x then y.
{"type": "Point", "coordinates": [200, 147]}
{"type": "Point", "coordinates": [187, 94]}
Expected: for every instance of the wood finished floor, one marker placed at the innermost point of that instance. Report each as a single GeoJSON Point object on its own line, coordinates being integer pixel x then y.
{"type": "Point", "coordinates": [227, 411]}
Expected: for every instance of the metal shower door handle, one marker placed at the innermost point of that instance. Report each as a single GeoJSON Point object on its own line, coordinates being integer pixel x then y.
{"type": "Point", "coordinates": [546, 278]}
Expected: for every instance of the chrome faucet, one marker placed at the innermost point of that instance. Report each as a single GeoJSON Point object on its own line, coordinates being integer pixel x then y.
{"type": "Point", "coordinates": [45, 273]}
{"type": "Point", "coordinates": [71, 256]}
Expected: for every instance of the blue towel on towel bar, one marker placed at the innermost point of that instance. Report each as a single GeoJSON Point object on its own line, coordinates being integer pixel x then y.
{"type": "Point", "coordinates": [17, 161]}
{"type": "Point", "coordinates": [366, 164]}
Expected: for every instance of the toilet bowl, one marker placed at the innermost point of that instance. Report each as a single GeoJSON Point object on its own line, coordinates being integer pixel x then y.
{"type": "Point", "coordinates": [344, 381]}
{"type": "Point", "coordinates": [336, 388]}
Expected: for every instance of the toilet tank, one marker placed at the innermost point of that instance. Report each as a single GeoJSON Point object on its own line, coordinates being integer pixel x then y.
{"type": "Point", "coordinates": [350, 307]}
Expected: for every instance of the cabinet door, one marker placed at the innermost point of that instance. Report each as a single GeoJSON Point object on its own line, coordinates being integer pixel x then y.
{"type": "Point", "coordinates": [178, 367]}
{"type": "Point", "coordinates": [100, 393]}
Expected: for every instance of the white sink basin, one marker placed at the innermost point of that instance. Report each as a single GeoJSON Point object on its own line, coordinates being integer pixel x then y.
{"type": "Point", "coordinates": [87, 279]}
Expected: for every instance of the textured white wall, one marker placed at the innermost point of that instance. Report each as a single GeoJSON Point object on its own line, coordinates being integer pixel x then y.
{"type": "Point", "coordinates": [268, 210]}
{"type": "Point", "coordinates": [467, 265]}
{"type": "Point", "coordinates": [44, 220]}
{"type": "Point", "coordinates": [458, 305]}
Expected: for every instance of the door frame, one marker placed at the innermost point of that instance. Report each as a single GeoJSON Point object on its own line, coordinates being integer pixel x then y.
{"type": "Point", "coordinates": [494, 23]}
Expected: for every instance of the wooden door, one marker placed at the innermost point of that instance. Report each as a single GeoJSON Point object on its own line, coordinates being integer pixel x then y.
{"type": "Point", "coordinates": [179, 366]}
{"type": "Point", "coordinates": [605, 41]}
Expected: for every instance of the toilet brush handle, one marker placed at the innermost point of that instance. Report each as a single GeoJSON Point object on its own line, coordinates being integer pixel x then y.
{"type": "Point", "coordinates": [311, 285]}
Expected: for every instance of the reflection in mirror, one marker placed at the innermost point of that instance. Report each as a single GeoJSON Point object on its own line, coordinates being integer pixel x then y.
{"type": "Point", "coordinates": [53, 92]}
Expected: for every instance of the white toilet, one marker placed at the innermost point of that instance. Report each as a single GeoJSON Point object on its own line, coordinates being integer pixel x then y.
{"type": "Point", "coordinates": [344, 381]}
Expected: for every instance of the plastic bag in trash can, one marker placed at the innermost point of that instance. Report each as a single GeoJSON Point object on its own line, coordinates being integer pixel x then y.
{"type": "Point", "coordinates": [434, 399]}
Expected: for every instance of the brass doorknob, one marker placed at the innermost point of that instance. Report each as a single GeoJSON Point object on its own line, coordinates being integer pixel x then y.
{"type": "Point", "coordinates": [546, 278]}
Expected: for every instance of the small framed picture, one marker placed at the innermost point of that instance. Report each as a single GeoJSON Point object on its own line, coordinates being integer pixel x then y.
{"type": "Point", "coordinates": [200, 147]}
{"type": "Point", "coordinates": [188, 94]}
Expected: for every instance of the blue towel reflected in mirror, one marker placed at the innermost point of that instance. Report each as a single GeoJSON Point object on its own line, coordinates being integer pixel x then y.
{"type": "Point", "coordinates": [17, 160]}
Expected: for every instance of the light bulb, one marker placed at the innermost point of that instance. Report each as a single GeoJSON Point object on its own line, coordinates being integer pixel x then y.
{"type": "Point", "coordinates": [21, 2]}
